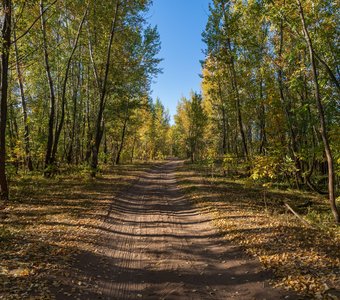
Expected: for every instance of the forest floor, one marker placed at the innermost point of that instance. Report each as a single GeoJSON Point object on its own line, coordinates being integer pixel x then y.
{"type": "Point", "coordinates": [47, 223]}
{"type": "Point", "coordinates": [304, 259]}
{"type": "Point", "coordinates": [133, 233]}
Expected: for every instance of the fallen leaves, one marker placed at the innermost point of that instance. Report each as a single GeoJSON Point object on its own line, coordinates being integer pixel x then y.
{"type": "Point", "coordinates": [47, 222]}
{"type": "Point", "coordinates": [306, 260]}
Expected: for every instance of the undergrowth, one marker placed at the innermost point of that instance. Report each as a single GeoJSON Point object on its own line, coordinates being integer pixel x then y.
{"type": "Point", "coordinates": [304, 258]}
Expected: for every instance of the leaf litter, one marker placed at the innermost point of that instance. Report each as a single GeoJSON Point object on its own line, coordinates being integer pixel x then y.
{"type": "Point", "coordinates": [46, 224]}
{"type": "Point", "coordinates": [303, 259]}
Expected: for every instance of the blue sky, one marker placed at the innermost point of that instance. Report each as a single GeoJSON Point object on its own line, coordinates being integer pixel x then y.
{"type": "Point", "coordinates": [180, 24]}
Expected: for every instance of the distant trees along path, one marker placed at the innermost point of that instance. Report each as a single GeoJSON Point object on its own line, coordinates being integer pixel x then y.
{"type": "Point", "coordinates": [75, 90]}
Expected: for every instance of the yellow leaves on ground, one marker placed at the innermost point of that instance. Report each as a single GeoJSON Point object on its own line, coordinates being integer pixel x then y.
{"type": "Point", "coordinates": [306, 260]}
{"type": "Point", "coordinates": [47, 222]}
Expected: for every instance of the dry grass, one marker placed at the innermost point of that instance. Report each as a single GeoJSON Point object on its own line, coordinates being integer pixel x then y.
{"type": "Point", "coordinates": [304, 259]}
{"type": "Point", "coordinates": [47, 222]}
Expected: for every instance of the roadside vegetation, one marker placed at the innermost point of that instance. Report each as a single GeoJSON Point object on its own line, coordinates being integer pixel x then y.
{"type": "Point", "coordinates": [303, 256]}
{"type": "Point", "coordinates": [48, 223]}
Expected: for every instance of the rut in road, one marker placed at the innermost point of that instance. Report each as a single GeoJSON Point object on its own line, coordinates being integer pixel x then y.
{"type": "Point", "coordinates": [161, 247]}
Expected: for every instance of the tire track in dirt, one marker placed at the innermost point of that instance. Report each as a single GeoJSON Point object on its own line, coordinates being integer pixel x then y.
{"type": "Point", "coordinates": [156, 245]}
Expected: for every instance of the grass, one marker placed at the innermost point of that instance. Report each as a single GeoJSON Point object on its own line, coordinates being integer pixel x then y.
{"type": "Point", "coordinates": [48, 221]}
{"type": "Point", "coordinates": [303, 259]}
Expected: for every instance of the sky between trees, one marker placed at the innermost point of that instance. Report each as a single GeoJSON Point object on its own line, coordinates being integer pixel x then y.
{"type": "Point", "coordinates": [76, 88]}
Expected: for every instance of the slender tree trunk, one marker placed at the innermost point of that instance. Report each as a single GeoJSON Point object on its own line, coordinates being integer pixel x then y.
{"type": "Point", "coordinates": [87, 120]}
{"type": "Point", "coordinates": [328, 70]}
{"type": "Point", "coordinates": [63, 95]}
{"type": "Point", "coordinates": [321, 113]}
{"type": "Point", "coordinates": [5, 48]}
{"type": "Point", "coordinates": [28, 158]}
{"type": "Point", "coordinates": [235, 87]}
{"type": "Point", "coordinates": [106, 150]}
{"type": "Point", "coordinates": [13, 133]}
{"type": "Point", "coordinates": [238, 101]}
{"type": "Point", "coordinates": [51, 121]}
{"type": "Point", "coordinates": [224, 133]}
{"type": "Point", "coordinates": [133, 147]}
{"type": "Point", "coordinates": [224, 120]}
{"type": "Point", "coordinates": [74, 120]}
{"type": "Point", "coordinates": [99, 123]}
{"type": "Point", "coordinates": [292, 133]}
{"type": "Point", "coordinates": [263, 135]}
{"type": "Point", "coordinates": [121, 141]}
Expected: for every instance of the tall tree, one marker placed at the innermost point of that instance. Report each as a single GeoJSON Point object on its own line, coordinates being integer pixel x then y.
{"type": "Point", "coordinates": [5, 23]}
{"type": "Point", "coordinates": [24, 107]}
{"type": "Point", "coordinates": [52, 100]}
{"type": "Point", "coordinates": [270, 62]}
{"type": "Point", "coordinates": [190, 122]}
{"type": "Point", "coordinates": [321, 113]}
{"type": "Point", "coordinates": [99, 128]}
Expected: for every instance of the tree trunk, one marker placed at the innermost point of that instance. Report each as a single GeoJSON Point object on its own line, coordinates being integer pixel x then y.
{"type": "Point", "coordinates": [50, 138]}
{"type": "Point", "coordinates": [12, 130]}
{"type": "Point", "coordinates": [292, 132]}
{"type": "Point", "coordinates": [63, 95]}
{"type": "Point", "coordinates": [70, 151]}
{"type": "Point", "coordinates": [106, 150]}
{"type": "Point", "coordinates": [28, 159]}
{"type": "Point", "coordinates": [6, 44]}
{"type": "Point", "coordinates": [238, 104]}
{"type": "Point", "coordinates": [224, 121]}
{"type": "Point", "coordinates": [121, 141]}
{"type": "Point", "coordinates": [263, 135]}
{"type": "Point", "coordinates": [99, 123]}
{"type": "Point", "coordinates": [321, 113]}
{"type": "Point", "coordinates": [133, 148]}
{"type": "Point", "coordinates": [235, 86]}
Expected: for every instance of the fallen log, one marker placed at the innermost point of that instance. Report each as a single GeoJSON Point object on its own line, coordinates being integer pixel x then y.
{"type": "Point", "coordinates": [297, 215]}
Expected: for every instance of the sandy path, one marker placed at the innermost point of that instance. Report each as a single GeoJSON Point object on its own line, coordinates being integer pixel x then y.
{"type": "Point", "coordinates": [158, 246]}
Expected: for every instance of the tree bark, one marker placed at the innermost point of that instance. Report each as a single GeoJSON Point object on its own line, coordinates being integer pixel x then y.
{"type": "Point", "coordinates": [63, 95]}
{"type": "Point", "coordinates": [70, 150]}
{"type": "Point", "coordinates": [121, 141]}
{"type": "Point", "coordinates": [225, 141]}
{"type": "Point", "coordinates": [263, 134]}
{"type": "Point", "coordinates": [24, 108]}
{"type": "Point", "coordinates": [99, 123]}
{"type": "Point", "coordinates": [5, 49]}
{"type": "Point", "coordinates": [321, 113]}
{"type": "Point", "coordinates": [238, 107]}
{"type": "Point", "coordinates": [50, 138]}
{"type": "Point", "coordinates": [236, 90]}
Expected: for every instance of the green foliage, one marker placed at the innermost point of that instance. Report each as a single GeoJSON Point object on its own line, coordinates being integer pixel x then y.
{"type": "Point", "coordinates": [272, 167]}
{"type": "Point", "coordinates": [229, 163]}
{"type": "Point", "coordinates": [133, 65]}
{"type": "Point", "coordinates": [265, 167]}
{"type": "Point", "coordinates": [190, 124]}
{"type": "Point", "coordinates": [259, 91]}
{"type": "Point", "coordinates": [321, 219]}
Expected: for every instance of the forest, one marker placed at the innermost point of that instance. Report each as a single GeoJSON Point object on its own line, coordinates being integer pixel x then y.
{"type": "Point", "coordinates": [76, 86]}
{"type": "Point", "coordinates": [94, 169]}
{"type": "Point", "coordinates": [270, 106]}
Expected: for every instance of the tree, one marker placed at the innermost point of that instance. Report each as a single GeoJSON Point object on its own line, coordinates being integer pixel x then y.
{"type": "Point", "coordinates": [190, 122]}
{"type": "Point", "coordinates": [267, 64]}
{"type": "Point", "coordinates": [323, 126]}
{"type": "Point", "coordinates": [93, 70]}
{"type": "Point", "coordinates": [5, 51]}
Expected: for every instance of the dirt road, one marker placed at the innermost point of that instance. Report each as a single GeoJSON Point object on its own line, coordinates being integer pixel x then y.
{"type": "Point", "coordinates": [156, 245]}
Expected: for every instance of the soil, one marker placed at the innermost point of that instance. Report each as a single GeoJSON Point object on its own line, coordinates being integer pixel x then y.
{"type": "Point", "coordinates": [155, 244]}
